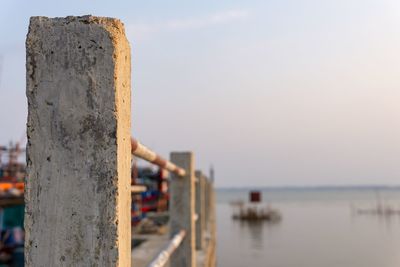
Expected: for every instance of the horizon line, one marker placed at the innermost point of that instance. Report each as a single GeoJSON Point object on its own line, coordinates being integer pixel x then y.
{"type": "Point", "coordinates": [331, 186]}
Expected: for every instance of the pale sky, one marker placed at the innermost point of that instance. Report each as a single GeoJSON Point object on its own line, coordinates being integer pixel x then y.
{"type": "Point", "coordinates": [272, 93]}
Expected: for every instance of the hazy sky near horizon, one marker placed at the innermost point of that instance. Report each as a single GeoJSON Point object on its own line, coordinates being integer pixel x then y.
{"type": "Point", "coordinates": [288, 92]}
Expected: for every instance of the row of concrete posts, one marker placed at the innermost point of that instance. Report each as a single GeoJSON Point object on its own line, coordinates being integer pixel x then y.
{"type": "Point", "coordinates": [192, 208]}
{"type": "Point", "coordinates": [78, 189]}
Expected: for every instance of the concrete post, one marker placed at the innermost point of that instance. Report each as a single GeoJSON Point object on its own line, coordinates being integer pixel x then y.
{"type": "Point", "coordinates": [203, 203]}
{"type": "Point", "coordinates": [200, 210]}
{"type": "Point", "coordinates": [182, 210]}
{"type": "Point", "coordinates": [213, 210]}
{"type": "Point", "coordinates": [213, 225]}
{"type": "Point", "coordinates": [78, 158]}
{"type": "Point", "coordinates": [207, 202]}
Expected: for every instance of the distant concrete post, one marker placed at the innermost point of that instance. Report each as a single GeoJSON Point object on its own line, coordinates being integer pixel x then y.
{"type": "Point", "coordinates": [203, 203]}
{"type": "Point", "coordinates": [207, 202]}
{"type": "Point", "coordinates": [200, 210]}
{"type": "Point", "coordinates": [78, 158]}
{"type": "Point", "coordinates": [212, 224]}
{"type": "Point", "coordinates": [212, 208]}
{"type": "Point", "coordinates": [182, 210]}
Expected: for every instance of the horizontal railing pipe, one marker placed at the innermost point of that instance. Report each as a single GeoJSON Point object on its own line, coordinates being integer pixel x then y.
{"type": "Point", "coordinates": [166, 253]}
{"type": "Point", "coordinates": [147, 154]}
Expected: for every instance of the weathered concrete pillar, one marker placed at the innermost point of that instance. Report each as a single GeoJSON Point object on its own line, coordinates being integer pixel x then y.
{"type": "Point", "coordinates": [78, 187]}
{"type": "Point", "coordinates": [182, 210]}
{"type": "Point", "coordinates": [200, 210]}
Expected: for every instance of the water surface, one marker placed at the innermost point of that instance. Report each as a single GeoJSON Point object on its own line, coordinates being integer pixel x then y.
{"type": "Point", "coordinates": [319, 229]}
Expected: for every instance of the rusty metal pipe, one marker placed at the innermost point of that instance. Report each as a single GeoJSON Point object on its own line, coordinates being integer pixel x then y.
{"type": "Point", "coordinates": [147, 154]}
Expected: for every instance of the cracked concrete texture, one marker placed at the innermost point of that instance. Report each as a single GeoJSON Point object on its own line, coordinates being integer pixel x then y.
{"type": "Point", "coordinates": [78, 153]}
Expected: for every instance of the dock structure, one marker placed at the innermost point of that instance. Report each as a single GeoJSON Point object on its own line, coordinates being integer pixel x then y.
{"type": "Point", "coordinates": [162, 249]}
{"type": "Point", "coordinates": [78, 190]}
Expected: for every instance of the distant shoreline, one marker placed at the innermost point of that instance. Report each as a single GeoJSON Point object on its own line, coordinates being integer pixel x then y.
{"type": "Point", "coordinates": [311, 188]}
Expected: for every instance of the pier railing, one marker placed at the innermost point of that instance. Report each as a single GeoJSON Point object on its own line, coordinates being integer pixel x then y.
{"type": "Point", "coordinates": [147, 154]}
{"type": "Point", "coordinates": [191, 210]}
{"type": "Point", "coordinates": [164, 256]}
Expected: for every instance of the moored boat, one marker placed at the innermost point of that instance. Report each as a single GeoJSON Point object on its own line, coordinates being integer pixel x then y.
{"type": "Point", "coordinates": [255, 210]}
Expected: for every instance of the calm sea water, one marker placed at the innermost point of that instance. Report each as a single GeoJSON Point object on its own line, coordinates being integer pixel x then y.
{"type": "Point", "coordinates": [319, 229]}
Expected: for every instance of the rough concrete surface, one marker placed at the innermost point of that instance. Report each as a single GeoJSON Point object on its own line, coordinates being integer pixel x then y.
{"type": "Point", "coordinates": [78, 153]}
{"type": "Point", "coordinates": [182, 210]}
